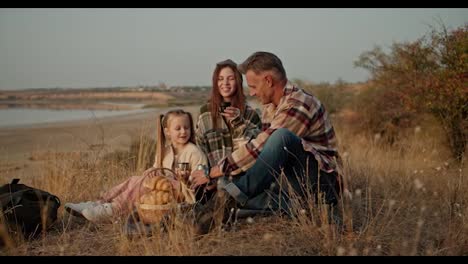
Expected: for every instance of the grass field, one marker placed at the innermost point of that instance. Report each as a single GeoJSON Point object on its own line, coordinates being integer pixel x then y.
{"type": "Point", "coordinates": [405, 199]}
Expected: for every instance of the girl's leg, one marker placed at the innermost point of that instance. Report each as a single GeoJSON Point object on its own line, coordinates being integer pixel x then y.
{"type": "Point", "coordinates": [125, 194]}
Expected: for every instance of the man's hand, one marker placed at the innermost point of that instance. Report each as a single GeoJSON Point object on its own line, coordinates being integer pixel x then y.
{"type": "Point", "coordinates": [199, 178]}
{"type": "Point", "coordinates": [216, 172]}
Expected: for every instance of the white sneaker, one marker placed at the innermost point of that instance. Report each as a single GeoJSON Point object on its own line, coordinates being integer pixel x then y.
{"type": "Point", "coordinates": [76, 209]}
{"type": "Point", "coordinates": [99, 213]}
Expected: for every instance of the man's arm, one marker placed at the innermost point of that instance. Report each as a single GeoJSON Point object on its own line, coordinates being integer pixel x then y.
{"type": "Point", "coordinates": [294, 118]}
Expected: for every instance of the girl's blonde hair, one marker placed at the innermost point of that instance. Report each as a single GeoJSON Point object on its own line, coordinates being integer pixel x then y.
{"type": "Point", "coordinates": [162, 122]}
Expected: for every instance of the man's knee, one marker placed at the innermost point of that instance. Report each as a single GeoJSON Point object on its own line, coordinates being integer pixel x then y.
{"type": "Point", "coordinates": [282, 132]}
{"type": "Point", "coordinates": [281, 136]}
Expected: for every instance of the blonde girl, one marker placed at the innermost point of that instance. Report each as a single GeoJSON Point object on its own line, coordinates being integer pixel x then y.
{"type": "Point", "coordinates": [175, 144]}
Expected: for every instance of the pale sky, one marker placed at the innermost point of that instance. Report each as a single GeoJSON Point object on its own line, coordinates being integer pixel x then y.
{"type": "Point", "coordinates": [78, 48]}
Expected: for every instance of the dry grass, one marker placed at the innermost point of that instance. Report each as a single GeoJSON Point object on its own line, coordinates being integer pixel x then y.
{"type": "Point", "coordinates": [407, 199]}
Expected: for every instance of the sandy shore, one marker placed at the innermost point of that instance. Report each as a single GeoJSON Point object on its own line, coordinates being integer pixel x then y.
{"type": "Point", "coordinates": [18, 145]}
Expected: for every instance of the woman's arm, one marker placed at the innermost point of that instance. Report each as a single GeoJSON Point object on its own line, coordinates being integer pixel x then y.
{"type": "Point", "coordinates": [200, 134]}
{"type": "Point", "coordinates": [247, 126]}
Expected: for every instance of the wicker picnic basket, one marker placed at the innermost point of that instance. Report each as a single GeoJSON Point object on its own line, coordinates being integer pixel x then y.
{"type": "Point", "coordinates": [150, 209]}
{"type": "Point", "coordinates": [152, 214]}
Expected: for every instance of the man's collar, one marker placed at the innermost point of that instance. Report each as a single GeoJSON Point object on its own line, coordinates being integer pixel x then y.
{"type": "Point", "coordinates": [288, 88]}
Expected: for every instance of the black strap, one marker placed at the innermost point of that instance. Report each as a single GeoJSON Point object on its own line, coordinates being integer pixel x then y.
{"type": "Point", "coordinates": [15, 181]}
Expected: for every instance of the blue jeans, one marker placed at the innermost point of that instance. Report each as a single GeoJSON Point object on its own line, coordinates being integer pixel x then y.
{"type": "Point", "coordinates": [260, 187]}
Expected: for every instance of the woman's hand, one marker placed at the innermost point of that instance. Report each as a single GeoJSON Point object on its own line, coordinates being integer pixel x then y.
{"type": "Point", "coordinates": [231, 113]}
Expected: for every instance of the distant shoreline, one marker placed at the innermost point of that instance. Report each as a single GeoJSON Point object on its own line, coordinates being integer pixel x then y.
{"type": "Point", "coordinates": [52, 105]}
{"type": "Point", "coordinates": [103, 99]}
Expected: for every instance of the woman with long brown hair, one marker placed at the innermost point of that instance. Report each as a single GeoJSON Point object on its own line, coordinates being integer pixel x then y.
{"type": "Point", "coordinates": [226, 120]}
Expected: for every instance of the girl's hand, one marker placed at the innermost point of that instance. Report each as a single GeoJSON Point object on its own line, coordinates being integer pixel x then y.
{"type": "Point", "coordinates": [231, 112]}
{"type": "Point", "coordinates": [175, 184]}
{"type": "Point", "coordinates": [149, 172]}
{"type": "Point", "coordinates": [177, 189]}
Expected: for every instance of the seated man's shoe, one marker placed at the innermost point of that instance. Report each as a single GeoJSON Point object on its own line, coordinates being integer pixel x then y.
{"type": "Point", "coordinates": [215, 212]}
{"type": "Point", "coordinates": [135, 228]}
{"type": "Point", "coordinates": [204, 214]}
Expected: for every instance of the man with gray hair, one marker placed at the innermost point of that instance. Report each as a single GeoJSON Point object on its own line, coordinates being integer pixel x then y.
{"type": "Point", "coordinates": [297, 141]}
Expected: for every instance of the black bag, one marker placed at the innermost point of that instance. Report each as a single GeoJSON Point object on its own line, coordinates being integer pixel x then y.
{"type": "Point", "coordinates": [27, 209]}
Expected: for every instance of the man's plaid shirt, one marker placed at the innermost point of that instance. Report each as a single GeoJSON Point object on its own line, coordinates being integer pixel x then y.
{"type": "Point", "coordinates": [217, 144]}
{"type": "Point", "coordinates": [299, 112]}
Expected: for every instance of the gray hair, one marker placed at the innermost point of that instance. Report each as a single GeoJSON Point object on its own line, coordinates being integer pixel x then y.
{"type": "Point", "coordinates": [262, 61]}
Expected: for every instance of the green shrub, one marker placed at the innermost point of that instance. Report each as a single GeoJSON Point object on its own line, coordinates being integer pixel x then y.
{"type": "Point", "coordinates": [428, 75]}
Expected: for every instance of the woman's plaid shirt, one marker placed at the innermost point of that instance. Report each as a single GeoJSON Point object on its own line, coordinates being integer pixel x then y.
{"type": "Point", "coordinates": [217, 144]}
{"type": "Point", "coordinates": [301, 113]}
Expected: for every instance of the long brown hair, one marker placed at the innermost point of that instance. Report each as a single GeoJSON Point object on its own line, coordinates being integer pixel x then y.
{"type": "Point", "coordinates": [237, 100]}
{"type": "Point", "coordinates": [162, 122]}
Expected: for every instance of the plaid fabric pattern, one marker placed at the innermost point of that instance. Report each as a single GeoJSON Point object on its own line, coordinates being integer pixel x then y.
{"type": "Point", "coordinates": [216, 144]}
{"type": "Point", "coordinates": [302, 114]}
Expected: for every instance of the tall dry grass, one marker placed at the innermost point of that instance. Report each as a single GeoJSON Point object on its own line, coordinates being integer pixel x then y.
{"type": "Point", "coordinates": [405, 199]}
